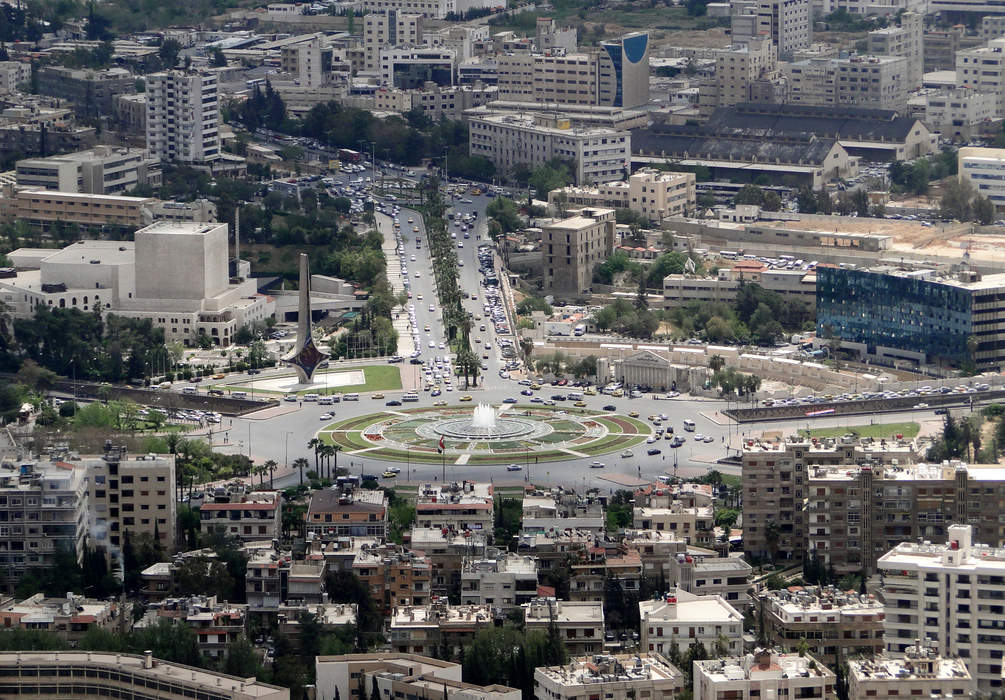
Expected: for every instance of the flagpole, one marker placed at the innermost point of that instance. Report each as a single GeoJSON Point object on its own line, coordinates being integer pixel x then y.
{"type": "Point", "coordinates": [443, 464]}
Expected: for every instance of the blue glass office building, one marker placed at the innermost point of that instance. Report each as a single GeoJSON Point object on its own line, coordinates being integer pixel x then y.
{"type": "Point", "coordinates": [894, 313]}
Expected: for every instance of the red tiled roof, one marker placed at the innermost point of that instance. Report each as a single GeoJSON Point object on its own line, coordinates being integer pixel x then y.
{"type": "Point", "coordinates": [238, 506]}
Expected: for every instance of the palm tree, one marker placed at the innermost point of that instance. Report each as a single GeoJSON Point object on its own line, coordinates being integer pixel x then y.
{"type": "Point", "coordinates": [300, 463]}
{"type": "Point", "coordinates": [326, 452]}
{"type": "Point", "coordinates": [271, 466]}
{"type": "Point", "coordinates": [259, 470]}
{"type": "Point", "coordinates": [716, 362]}
{"type": "Point", "coordinates": [315, 444]}
{"type": "Point", "coordinates": [334, 453]}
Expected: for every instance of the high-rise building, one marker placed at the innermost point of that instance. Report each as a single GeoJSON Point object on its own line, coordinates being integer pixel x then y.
{"type": "Point", "coordinates": [950, 597]}
{"type": "Point", "coordinates": [388, 29]}
{"type": "Point", "coordinates": [573, 247]}
{"type": "Point", "coordinates": [309, 61]}
{"type": "Point", "coordinates": [737, 69]}
{"type": "Point", "coordinates": [907, 40]}
{"type": "Point", "coordinates": [624, 71]}
{"type": "Point", "coordinates": [183, 116]}
{"type": "Point", "coordinates": [863, 81]}
{"type": "Point", "coordinates": [789, 23]}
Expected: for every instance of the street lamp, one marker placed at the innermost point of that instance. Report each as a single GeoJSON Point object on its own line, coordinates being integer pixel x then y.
{"type": "Point", "coordinates": [287, 457]}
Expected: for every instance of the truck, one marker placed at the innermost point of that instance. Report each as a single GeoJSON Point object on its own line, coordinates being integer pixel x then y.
{"type": "Point", "coordinates": [579, 330]}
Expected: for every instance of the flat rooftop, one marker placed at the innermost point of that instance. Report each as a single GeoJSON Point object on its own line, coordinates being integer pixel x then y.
{"type": "Point", "coordinates": [616, 669]}
{"type": "Point", "coordinates": [180, 228]}
{"type": "Point", "coordinates": [913, 667]}
{"type": "Point", "coordinates": [106, 252]}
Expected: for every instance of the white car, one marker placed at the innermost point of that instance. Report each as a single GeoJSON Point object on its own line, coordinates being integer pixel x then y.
{"type": "Point", "coordinates": [417, 274]}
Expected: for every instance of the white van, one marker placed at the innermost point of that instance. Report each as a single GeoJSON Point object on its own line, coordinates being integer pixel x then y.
{"type": "Point", "coordinates": [239, 395]}
{"type": "Point", "coordinates": [689, 425]}
{"type": "Point", "coordinates": [575, 396]}
{"type": "Point", "coordinates": [410, 397]}
{"type": "Point", "coordinates": [325, 401]}
{"type": "Point", "coordinates": [311, 397]}
{"type": "Point", "coordinates": [189, 390]}
{"type": "Point", "coordinates": [351, 397]}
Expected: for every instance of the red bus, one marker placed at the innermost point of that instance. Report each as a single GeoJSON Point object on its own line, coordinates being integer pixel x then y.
{"type": "Point", "coordinates": [347, 156]}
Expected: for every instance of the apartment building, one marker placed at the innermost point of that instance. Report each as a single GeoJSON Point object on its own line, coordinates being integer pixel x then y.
{"type": "Point", "coordinates": [253, 517]}
{"type": "Point", "coordinates": [131, 113]}
{"type": "Point", "coordinates": [679, 619]}
{"type": "Point", "coordinates": [52, 675]}
{"type": "Point", "coordinates": [906, 40]}
{"type": "Point", "coordinates": [43, 209]}
{"type": "Point", "coordinates": [613, 677]}
{"type": "Point", "coordinates": [12, 75]}
{"type": "Point", "coordinates": [411, 68]}
{"type": "Point", "coordinates": [706, 574]}
{"type": "Point", "coordinates": [572, 247]}
{"type": "Point", "coordinates": [765, 673]}
{"type": "Point", "coordinates": [919, 672]}
{"type": "Point", "coordinates": [44, 509]}
{"type": "Point", "coordinates": [132, 495]}
{"type": "Point", "coordinates": [68, 617]}
{"type": "Point", "coordinates": [552, 549]}
{"type": "Point", "coordinates": [446, 552]}
{"type": "Point", "coordinates": [982, 68]}
{"type": "Point", "coordinates": [599, 154]}
{"type": "Point", "coordinates": [738, 68]}
{"type": "Point", "coordinates": [438, 628]}
{"type": "Point", "coordinates": [309, 61]}
{"type": "Point", "coordinates": [580, 624]}
{"type": "Point", "coordinates": [394, 576]}
{"type": "Point", "coordinates": [456, 507]}
{"type": "Point", "coordinates": [789, 23]}
{"type": "Point", "coordinates": [183, 116]}
{"type": "Point", "coordinates": [605, 564]}
{"type": "Point", "coordinates": [909, 503]}
{"type": "Point", "coordinates": [215, 624]}
{"type": "Point", "coordinates": [960, 114]}
{"type": "Point", "coordinates": [861, 81]}
{"type": "Point", "coordinates": [503, 583]}
{"type": "Point", "coordinates": [335, 513]}
{"type": "Point", "coordinates": [798, 286]}
{"type": "Point", "coordinates": [267, 578]}
{"type": "Point", "coordinates": [657, 549]}
{"type": "Point", "coordinates": [436, 102]}
{"type": "Point", "coordinates": [429, 9]}
{"type": "Point", "coordinates": [948, 595]}
{"type": "Point", "coordinates": [775, 477]}
{"type": "Point", "coordinates": [389, 28]}
{"type": "Point", "coordinates": [664, 513]}
{"type": "Point", "coordinates": [343, 676]}
{"type": "Point", "coordinates": [560, 510]}
{"type": "Point", "coordinates": [835, 624]}
{"type": "Point", "coordinates": [101, 170]}
{"type": "Point", "coordinates": [982, 168]}
{"type": "Point", "coordinates": [652, 193]}
{"type": "Point", "coordinates": [91, 91]}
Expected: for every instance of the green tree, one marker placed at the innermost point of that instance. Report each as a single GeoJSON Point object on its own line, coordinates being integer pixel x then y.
{"type": "Point", "coordinates": [749, 194]}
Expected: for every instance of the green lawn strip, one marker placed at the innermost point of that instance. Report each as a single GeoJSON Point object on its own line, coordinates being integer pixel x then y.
{"type": "Point", "coordinates": [378, 378]}
{"type": "Point", "coordinates": [877, 430]}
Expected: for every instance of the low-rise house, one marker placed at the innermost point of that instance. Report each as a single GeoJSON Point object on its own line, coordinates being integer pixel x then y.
{"type": "Point", "coordinates": [580, 624]}
{"type": "Point", "coordinates": [680, 619]}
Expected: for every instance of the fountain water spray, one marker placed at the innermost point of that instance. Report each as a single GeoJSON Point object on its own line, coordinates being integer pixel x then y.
{"type": "Point", "coordinates": [484, 417]}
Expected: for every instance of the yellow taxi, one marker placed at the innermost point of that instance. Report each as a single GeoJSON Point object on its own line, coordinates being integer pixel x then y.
{"type": "Point", "coordinates": [580, 404]}
{"type": "Point", "coordinates": [377, 396]}
{"type": "Point", "coordinates": [633, 414]}
{"type": "Point", "coordinates": [535, 387]}
{"type": "Point", "coordinates": [466, 397]}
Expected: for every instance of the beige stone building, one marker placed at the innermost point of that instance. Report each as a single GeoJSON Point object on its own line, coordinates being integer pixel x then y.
{"type": "Point", "coordinates": [615, 677]}
{"type": "Point", "coordinates": [703, 573]}
{"type": "Point", "coordinates": [835, 624]}
{"type": "Point", "coordinates": [468, 506]}
{"type": "Point", "coordinates": [983, 68]}
{"type": "Point", "coordinates": [254, 517]}
{"type": "Point", "coordinates": [737, 68]}
{"type": "Point", "coordinates": [386, 29]}
{"type": "Point", "coordinates": [573, 247]}
{"type": "Point", "coordinates": [862, 81]}
{"type": "Point", "coordinates": [101, 170]}
{"type": "Point", "coordinates": [68, 617]}
{"type": "Point", "coordinates": [920, 672]}
{"type": "Point", "coordinates": [907, 41]}
{"type": "Point", "coordinates": [764, 674]}
{"type": "Point", "coordinates": [339, 676]}
{"type": "Point", "coordinates": [795, 285]}
{"type": "Point", "coordinates": [504, 582]}
{"type": "Point", "coordinates": [652, 193]}
{"type": "Point", "coordinates": [580, 623]}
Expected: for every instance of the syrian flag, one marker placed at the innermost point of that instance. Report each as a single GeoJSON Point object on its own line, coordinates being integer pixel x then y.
{"type": "Point", "coordinates": [441, 447]}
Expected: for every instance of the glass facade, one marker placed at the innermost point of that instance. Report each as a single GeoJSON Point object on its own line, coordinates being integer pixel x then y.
{"type": "Point", "coordinates": [906, 313]}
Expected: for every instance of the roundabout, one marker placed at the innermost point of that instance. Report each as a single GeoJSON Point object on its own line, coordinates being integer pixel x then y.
{"type": "Point", "coordinates": [484, 434]}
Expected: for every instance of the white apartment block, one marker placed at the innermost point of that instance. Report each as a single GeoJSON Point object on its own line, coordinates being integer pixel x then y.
{"type": "Point", "coordinates": [652, 193]}
{"type": "Point", "coordinates": [615, 677]}
{"type": "Point", "coordinates": [599, 155]}
{"type": "Point", "coordinates": [884, 8]}
{"type": "Point", "coordinates": [863, 81]}
{"type": "Point", "coordinates": [579, 623]}
{"type": "Point", "coordinates": [918, 672]}
{"type": "Point", "coordinates": [12, 74]}
{"type": "Point", "coordinates": [430, 9]}
{"type": "Point", "coordinates": [387, 29]}
{"type": "Point", "coordinates": [681, 290]}
{"type": "Point", "coordinates": [789, 23]}
{"type": "Point", "coordinates": [949, 596]}
{"type": "Point", "coordinates": [680, 619]}
{"type": "Point", "coordinates": [737, 66]}
{"type": "Point", "coordinates": [764, 674]}
{"type": "Point", "coordinates": [435, 102]}
{"type": "Point", "coordinates": [100, 170]}
{"type": "Point", "coordinates": [983, 69]}
{"type": "Point", "coordinates": [984, 168]}
{"type": "Point", "coordinates": [503, 583]}
{"type": "Point", "coordinates": [309, 61]}
{"type": "Point", "coordinates": [44, 510]}
{"type": "Point", "coordinates": [183, 116]}
{"type": "Point", "coordinates": [958, 114]}
{"type": "Point", "coordinates": [907, 40]}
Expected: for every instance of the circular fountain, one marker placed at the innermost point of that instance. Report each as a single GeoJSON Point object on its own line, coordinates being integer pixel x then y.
{"type": "Point", "coordinates": [484, 424]}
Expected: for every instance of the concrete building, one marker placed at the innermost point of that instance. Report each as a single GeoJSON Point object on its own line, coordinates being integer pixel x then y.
{"type": "Point", "coordinates": [341, 676]}
{"type": "Point", "coordinates": [502, 583]}
{"type": "Point", "coordinates": [436, 102]}
{"type": "Point", "coordinates": [446, 552]}
{"type": "Point", "coordinates": [705, 574]}
{"type": "Point", "coordinates": [91, 91]}
{"type": "Point", "coordinates": [982, 168]}
{"type": "Point", "coordinates": [131, 113]}
{"type": "Point", "coordinates": [947, 595]}
{"type": "Point", "coordinates": [836, 624]}
{"type": "Point", "coordinates": [982, 68]}
{"type": "Point", "coordinates": [101, 170]}
{"type": "Point", "coordinates": [738, 68]}
{"type": "Point", "coordinates": [616, 677]}
{"type": "Point", "coordinates": [775, 486]}
{"type": "Point", "coordinates": [389, 28]}
{"type": "Point", "coordinates": [256, 516]}
{"type": "Point", "coordinates": [658, 551]}
{"type": "Point", "coordinates": [680, 619]}
{"type": "Point", "coordinates": [907, 41]}
{"type": "Point", "coordinates": [438, 628]}
{"type": "Point", "coordinates": [46, 209]}
{"type": "Point", "coordinates": [334, 513]}
{"type": "Point", "coordinates": [45, 511]}
{"type": "Point", "coordinates": [456, 507]}
{"type": "Point", "coordinates": [599, 154]}
{"type": "Point", "coordinates": [892, 314]}
{"type": "Point", "coordinates": [579, 623]}
{"type": "Point", "coordinates": [411, 68]}
{"type": "Point", "coordinates": [861, 81]}
{"type": "Point", "coordinates": [183, 116]}
{"type": "Point", "coordinates": [266, 579]}
{"type": "Point", "coordinates": [132, 495]}
{"type": "Point", "coordinates": [572, 247]}
{"type": "Point", "coordinates": [765, 673]}
{"type": "Point", "coordinates": [395, 577]}
{"type": "Point", "coordinates": [68, 617]}
{"type": "Point", "coordinates": [652, 193]}
{"type": "Point", "coordinates": [430, 9]}
{"type": "Point", "coordinates": [12, 75]}
{"type": "Point", "coordinates": [52, 675]}
{"type": "Point", "coordinates": [919, 672]}
{"type": "Point", "coordinates": [789, 23]}
{"type": "Point", "coordinates": [310, 61]}
{"type": "Point", "coordinates": [560, 510]}
{"type": "Point", "coordinates": [960, 114]}
{"type": "Point", "coordinates": [797, 286]}
{"type": "Point", "coordinates": [694, 524]}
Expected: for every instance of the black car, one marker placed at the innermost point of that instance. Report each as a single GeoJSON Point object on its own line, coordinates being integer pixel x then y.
{"type": "Point", "coordinates": [654, 451]}
{"type": "Point", "coordinates": [942, 411]}
{"type": "Point", "coordinates": [558, 397]}
{"type": "Point", "coordinates": [416, 360]}
{"type": "Point", "coordinates": [393, 402]}
{"type": "Point", "coordinates": [254, 371]}
{"type": "Point", "coordinates": [610, 407]}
